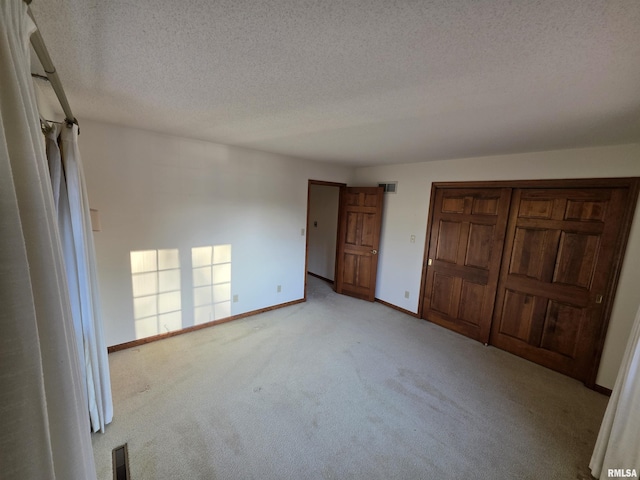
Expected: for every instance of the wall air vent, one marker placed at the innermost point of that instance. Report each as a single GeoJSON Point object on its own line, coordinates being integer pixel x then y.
{"type": "Point", "coordinates": [389, 187]}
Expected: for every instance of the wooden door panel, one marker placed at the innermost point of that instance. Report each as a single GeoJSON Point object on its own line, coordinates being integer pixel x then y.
{"type": "Point", "coordinates": [472, 298]}
{"type": "Point", "coordinates": [452, 204]}
{"type": "Point", "coordinates": [557, 259]}
{"type": "Point", "coordinates": [518, 311]}
{"type": "Point", "coordinates": [585, 210]}
{"type": "Point", "coordinates": [478, 248]}
{"type": "Point", "coordinates": [531, 255]}
{"type": "Point", "coordinates": [352, 199]}
{"type": "Point", "coordinates": [368, 236]}
{"type": "Point", "coordinates": [357, 271]}
{"type": "Point", "coordinates": [528, 254]}
{"type": "Point", "coordinates": [536, 208]}
{"type": "Point", "coordinates": [351, 233]}
{"type": "Point", "coordinates": [448, 241]}
{"type": "Point", "coordinates": [561, 328]}
{"type": "Point", "coordinates": [443, 293]}
{"type": "Point", "coordinates": [547, 325]}
{"type": "Point", "coordinates": [576, 259]}
{"type": "Point", "coordinates": [465, 249]}
{"type": "Point", "coordinates": [365, 268]}
{"type": "Point", "coordinates": [360, 229]}
{"type": "Point", "coordinates": [350, 268]}
{"type": "Point", "coordinates": [363, 279]}
{"type": "Point", "coordinates": [485, 206]}
{"type": "Point", "coordinates": [371, 199]}
{"type": "Point", "coordinates": [358, 241]}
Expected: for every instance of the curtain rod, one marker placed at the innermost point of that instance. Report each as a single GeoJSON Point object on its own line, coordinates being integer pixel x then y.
{"type": "Point", "coordinates": [37, 42]}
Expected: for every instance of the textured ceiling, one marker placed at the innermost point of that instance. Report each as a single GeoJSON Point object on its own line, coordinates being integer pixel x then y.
{"type": "Point", "coordinates": [360, 82]}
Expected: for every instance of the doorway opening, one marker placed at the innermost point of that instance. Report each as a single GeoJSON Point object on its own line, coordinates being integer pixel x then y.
{"type": "Point", "coordinates": [346, 251]}
{"type": "Point", "coordinates": [323, 205]}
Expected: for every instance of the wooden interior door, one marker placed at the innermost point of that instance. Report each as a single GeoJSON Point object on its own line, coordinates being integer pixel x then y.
{"type": "Point", "coordinates": [465, 248]}
{"type": "Point", "coordinates": [360, 220]}
{"type": "Point", "coordinates": [556, 272]}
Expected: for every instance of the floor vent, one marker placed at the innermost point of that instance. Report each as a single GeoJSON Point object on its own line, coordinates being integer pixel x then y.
{"type": "Point", "coordinates": [120, 457]}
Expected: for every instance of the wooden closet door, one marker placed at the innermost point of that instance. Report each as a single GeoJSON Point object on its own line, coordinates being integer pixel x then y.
{"type": "Point", "coordinates": [556, 269]}
{"type": "Point", "coordinates": [465, 248]}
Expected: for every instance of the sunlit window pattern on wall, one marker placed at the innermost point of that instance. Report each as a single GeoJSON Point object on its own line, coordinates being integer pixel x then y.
{"type": "Point", "coordinates": [211, 282]}
{"type": "Point", "coordinates": [157, 307]}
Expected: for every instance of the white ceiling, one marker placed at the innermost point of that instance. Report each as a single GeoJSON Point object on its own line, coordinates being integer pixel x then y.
{"type": "Point", "coordinates": [360, 82]}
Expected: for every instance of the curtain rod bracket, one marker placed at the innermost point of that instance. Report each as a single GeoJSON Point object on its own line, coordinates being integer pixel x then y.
{"type": "Point", "coordinates": [71, 123]}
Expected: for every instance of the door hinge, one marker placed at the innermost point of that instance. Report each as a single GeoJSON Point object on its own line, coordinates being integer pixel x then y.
{"type": "Point", "coordinates": [429, 262]}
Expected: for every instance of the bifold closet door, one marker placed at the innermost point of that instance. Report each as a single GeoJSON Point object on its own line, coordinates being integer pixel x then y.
{"type": "Point", "coordinates": [556, 269]}
{"type": "Point", "coordinates": [465, 248]}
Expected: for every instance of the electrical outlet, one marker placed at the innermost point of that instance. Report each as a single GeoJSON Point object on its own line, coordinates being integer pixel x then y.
{"type": "Point", "coordinates": [235, 298]}
{"type": "Point", "coordinates": [279, 289]}
{"type": "Point", "coordinates": [406, 294]}
{"type": "Point", "coordinates": [412, 239]}
{"type": "Point", "coordinates": [302, 232]}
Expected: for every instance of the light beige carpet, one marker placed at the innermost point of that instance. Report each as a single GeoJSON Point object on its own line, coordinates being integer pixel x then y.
{"type": "Point", "coordinates": [338, 388]}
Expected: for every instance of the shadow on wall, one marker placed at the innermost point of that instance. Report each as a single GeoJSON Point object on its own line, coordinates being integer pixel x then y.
{"type": "Point", "coordinates": [157, 288]}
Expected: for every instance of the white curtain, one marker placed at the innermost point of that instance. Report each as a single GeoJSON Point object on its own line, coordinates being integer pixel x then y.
{"type": "Point", "coordinates": [618, 444]}
{"type": "Point", "coordinates": [74, 223]}
{"type": "Point", "coordinates": [44, 426]}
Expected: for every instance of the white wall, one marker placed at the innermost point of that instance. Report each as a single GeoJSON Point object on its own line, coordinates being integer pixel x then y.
{"type": "Point", "coordinates": [405, 214]}
{"type": "Point", "coordinates": [323, 229]}
{"type": "Point", "coordinates": [155, 191]}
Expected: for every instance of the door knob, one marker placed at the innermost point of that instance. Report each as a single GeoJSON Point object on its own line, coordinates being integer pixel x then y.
{"type": "Point", "coordinates": [374, 252]}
